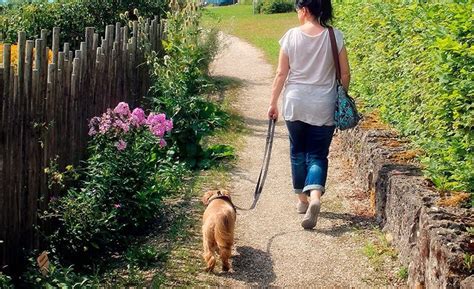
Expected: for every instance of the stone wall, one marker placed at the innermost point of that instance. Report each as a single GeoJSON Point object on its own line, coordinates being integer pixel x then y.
{"type": "Point", "coordinates": [432, 241]}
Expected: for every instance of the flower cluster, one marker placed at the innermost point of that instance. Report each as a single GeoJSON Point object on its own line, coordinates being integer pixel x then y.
{"type": "Point", "coordinates": [121, 120]}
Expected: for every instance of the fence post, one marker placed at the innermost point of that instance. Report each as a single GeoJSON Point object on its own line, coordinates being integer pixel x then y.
{"type": "Point", "coordinates": [44, 112]}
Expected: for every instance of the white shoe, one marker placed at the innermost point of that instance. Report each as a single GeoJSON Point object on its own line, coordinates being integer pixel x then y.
{"type": "Point", "coordinates": [301, 207]}
{"type": "Point", "coordinates": [311, 217]}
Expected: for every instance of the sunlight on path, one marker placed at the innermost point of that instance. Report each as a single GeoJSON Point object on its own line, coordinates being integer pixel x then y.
{"type": "Point", "coordinates": [271, 247]}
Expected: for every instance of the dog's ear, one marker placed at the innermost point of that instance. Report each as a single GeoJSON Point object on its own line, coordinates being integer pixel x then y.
{"type": "Point", "coordinates": [206, 196]}
{"type": "Point", "coordinates": [225, 193]}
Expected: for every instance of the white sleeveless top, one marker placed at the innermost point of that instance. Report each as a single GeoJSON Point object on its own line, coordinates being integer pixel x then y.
{"type": "Point", "coordinates": [310, 88]}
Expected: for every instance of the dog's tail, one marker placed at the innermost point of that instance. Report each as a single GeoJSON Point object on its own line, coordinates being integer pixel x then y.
{"type": "Point", "coordinates": [224, 230]}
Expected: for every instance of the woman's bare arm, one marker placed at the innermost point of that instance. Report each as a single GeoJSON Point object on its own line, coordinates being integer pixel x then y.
{"type": "Point", "coordinates": [345, 69]}
{"type": "Point", "coordinates": [278, 82]}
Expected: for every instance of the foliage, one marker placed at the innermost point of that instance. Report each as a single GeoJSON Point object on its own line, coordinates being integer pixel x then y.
{"type": "Point", "coordinates": [216, 153]}
{"type": "Point", "coordinates": [5, 281]}
{"type": "Point", "coordinates": [58, 276]}
{"type": "Point", "coordinates": [275, 6]}
{"type": "Point", "coordinates": [180, 79]}
{"type": "Point", "coordinates": [403, 273]}
{"type": "Point", "coordinates": [414, 62]}
{"type": "Point", "coordinates": [470, 230]}
{"type": "Point", "coordinates": [71, 16]}
{"type": "Point", "coordinates": [468, 261]}
{"type": "Point", "coordinates": [127, 174]}
{"type": "Point", "coordinates": [144, 256]}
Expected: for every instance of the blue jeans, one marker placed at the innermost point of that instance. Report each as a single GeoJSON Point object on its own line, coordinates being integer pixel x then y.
{"type": "Point", "coordinates": [309, 149]}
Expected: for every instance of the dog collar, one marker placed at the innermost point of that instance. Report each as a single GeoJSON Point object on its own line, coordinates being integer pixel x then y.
{"type": "Point", "coordinates": [222, 197]}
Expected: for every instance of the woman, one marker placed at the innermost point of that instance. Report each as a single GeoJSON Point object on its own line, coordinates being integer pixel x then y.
{"type": "Point", "coordinates": [306, 69]}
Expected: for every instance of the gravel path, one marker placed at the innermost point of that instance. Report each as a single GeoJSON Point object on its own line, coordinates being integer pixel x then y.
{"type": "Point", "coordinates": [271, 248]}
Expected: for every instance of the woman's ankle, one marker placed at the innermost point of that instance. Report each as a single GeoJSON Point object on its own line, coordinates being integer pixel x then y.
{"type": "Point", "coordinates": [315, 195]}
{"type": "Point", "coordinates": [303, 198]}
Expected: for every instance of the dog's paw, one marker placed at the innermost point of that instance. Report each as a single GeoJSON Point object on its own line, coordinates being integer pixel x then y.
{"type": "Point", "coordinates": [209, 269]}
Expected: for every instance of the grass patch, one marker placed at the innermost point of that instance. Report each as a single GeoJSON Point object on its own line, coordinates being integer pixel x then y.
{"type": "Point", "coordinates": [468, 261]}
{"type": "Point", "coordinates": [261, 30]}
{"type": "Point", "coordinates": [379, 249]}
{"type": "Point", "coordinates": [382, 257]}
{"type": "Point", "coordinates": [185, 262]}
{"type": "Point", "coordinates": [402, 273]}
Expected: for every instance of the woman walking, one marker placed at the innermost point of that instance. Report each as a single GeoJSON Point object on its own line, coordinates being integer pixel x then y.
{"type": "Point", "coordinates": [307, 72]}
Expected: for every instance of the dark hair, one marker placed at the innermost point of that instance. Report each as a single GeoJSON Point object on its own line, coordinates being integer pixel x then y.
{"type": "Point", "coordinates": [321, 9]}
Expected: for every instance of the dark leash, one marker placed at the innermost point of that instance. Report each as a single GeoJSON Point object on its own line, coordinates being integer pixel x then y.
{"type": "Point", "coordinates": [264, 169]}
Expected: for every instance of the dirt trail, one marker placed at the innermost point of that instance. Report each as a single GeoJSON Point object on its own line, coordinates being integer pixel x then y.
{"type": "Point", "coordinates": [271, 248]}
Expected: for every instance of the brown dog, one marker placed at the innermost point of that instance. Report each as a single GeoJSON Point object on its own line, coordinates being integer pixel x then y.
{"type": "Point", "coordinates": [218, 224]}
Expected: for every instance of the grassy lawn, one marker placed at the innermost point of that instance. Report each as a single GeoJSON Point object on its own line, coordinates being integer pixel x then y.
{"type": "Point", "coordinates": [261, 30]}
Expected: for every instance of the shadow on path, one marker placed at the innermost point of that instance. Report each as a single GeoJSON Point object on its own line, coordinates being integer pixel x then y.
{"type": "Point", "coordinates": [351, 222]}
{"type": "Point", "coordinates": [252, 266]}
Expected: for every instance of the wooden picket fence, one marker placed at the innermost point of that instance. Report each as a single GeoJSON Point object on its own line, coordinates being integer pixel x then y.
{"type": "Point", "coordinates": [45, 111]}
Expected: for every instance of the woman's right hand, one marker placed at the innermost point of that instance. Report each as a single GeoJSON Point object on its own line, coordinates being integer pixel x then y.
{"type": "Point", "coordinates": [273, 112]}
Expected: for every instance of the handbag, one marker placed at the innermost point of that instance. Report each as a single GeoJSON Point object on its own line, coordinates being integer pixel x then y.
{"type": "Point", "coordinates": [345, 115]}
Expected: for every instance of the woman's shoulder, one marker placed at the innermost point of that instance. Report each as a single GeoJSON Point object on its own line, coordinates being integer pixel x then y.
{"type": "Point", "coordinates": [338, 32]}
{"type": "Point", "coordinates": [289, 33]}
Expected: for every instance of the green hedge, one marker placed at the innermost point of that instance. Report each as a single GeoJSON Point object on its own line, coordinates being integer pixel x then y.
{"type": "Point", "coordinates": [72, 16]}
{"type": "Point", "coordinates": [275, 6]}
{"type": "Point", "coordinates": [414, 63]}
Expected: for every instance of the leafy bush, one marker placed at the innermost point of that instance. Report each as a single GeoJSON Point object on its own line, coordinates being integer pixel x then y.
{"type": "Point", "coordinates": [413, 62]}
{"type": "Point", "coordinates": [5, 281]}
{"type": "Point", "coordinates": [71, 16]}
{"type": "Point", "coordinates": [58, 276]}
{"type": "Point", "coordinates": [180, 78]}
{"type": "Point", "coordinates": [144, 256]}
{"type": "Point", "coordinates": [127, 175]}
{"type": "Point", "coordinates": [275, 6]}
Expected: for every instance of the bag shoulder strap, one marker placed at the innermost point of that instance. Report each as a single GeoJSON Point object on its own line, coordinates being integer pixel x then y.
{"type": "Point", "coordinates": [335, 55]}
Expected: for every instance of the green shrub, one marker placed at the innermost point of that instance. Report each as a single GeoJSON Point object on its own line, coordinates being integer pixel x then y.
{"type": "Point", "coordinates": [180, 79]}
{"type": "Point", "coordinates": [144, 256]}
{"type": "Point", "coordinates": [126, 176]}
{"type": "Point", "coordinates": [58, 276]}
{"type": "Point", "coordinates": [5, 281]}
{"type": "Point", "coordinates": [413, 63]}
{"type": "Point", "coordinates": [71, 16]}
{"type": "Point", "coordinates": [275, 6]}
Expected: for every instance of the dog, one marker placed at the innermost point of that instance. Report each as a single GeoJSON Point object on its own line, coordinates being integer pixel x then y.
{"type": "Point", "coordinates": [218, 223]}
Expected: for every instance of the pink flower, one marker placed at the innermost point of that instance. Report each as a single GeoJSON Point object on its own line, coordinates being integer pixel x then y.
{"type": "Point", "coordinates": [154, 119]}
{"type": "Point", "coordinates": [158, 130]}
{"type": "Point", "coordinates": [138, 116]}
{"type": "Point", "coordinates": [117, 206]}
{"type": "Point", "coordinates": [93, 123]}
{"type": "Point", "coordinates": [169, 125]}
{"type": "Point", "coordinates": [121, 145]}
{"type": "Point", "coordinates": [104, 126]}
{"type": "Point", "coordinates": [105, 122]}
{"type": "Point", "coordinates": [92, 131]}
{"type": "Point", "coordinates": [162, 143]}
{"type": "Point", "coordinates": [122, 109]}
{"type": "Point", "coordinates": [158, 124]}
{"type": "Point", "coordinates": [123, 125]}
